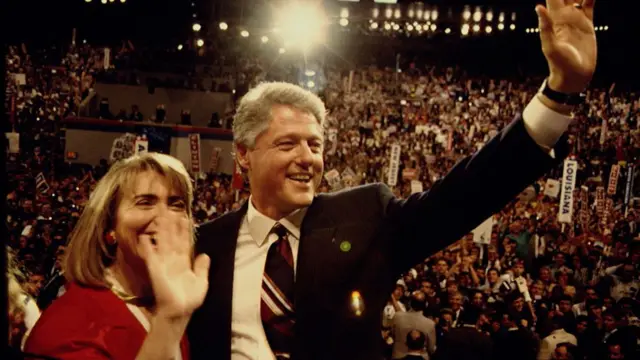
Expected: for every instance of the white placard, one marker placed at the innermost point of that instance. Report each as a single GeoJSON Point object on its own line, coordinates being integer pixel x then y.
{"type": "Point", "coordinates": [333, 178]}
{"type": "Point", "coordinates": [569, 174]}
{"type": "Point", "coordinates": [416, 186]}
{"type": "Point", "coordinates": [394, 165]}
{"type": "Point", "coordinates": [41, 183]}
{"type": "Point", "coordinates": [194, 147]}
{"type": "Point", "coordinates": [552, 188]}
{"type": "Point", "coordinates": [14, 142]}
{"type": "Point", "coordinates": [613, 180]}
{"type": "Point", "coordinates": [482, 234]}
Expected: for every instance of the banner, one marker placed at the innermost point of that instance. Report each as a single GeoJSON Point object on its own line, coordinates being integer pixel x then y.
{"type": "Point", "coordinates": [215, 159]}
{"type": "Point", "coordinates": [333, 179]}
{"type": "Point", "coordinates": [569, 173]}
{"type": "Point", "coordinates": [603, 132]}
{"type": "Point", "coordinates": [409, 174]}
{"type": "Point", "coordinates": [13, 138]}
{"type": "Point", "coordinates": [394, 165]}
{"type": "Point", "coordinates": [584, 198]}
{"type": "Point", "coordinates": [141, 145]}
{"type": "Point", "coordinates": [194, 146]}
{"type": "Point", "coordinates": [552, 188]}
{"type": "Point", "coordinates": [628, 189]}
{"type": "Point", "coordinates": [41, 183]}
{"type": "Point", "coordinates": [482, 234]}
{"type": "Point", "coordinates": [416, 186]}
{"type": "Point", "coordinates": [600, 200]}
{"type": "Point", "coordinates": [613, 180]}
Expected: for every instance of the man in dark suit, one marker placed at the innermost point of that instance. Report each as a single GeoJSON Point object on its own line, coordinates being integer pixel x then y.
{"type": "Point", "coordinates": [415, 341]}
{"type": "Point", "coordinates": [467, 342]}
{"type": "Point", "coordinates": [513, 341]}
{"type": "Point", "coordinates": [300, 275]}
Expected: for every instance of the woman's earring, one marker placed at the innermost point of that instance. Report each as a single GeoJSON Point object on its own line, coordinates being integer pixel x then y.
{"type": "Point", "coordinates": [111, 238]}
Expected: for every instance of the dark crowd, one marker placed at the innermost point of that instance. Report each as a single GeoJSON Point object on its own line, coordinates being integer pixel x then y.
{"type": "Point", "coordinates": [534, 289]}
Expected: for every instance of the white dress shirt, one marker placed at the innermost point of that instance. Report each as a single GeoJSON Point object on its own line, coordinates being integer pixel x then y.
{"type": "Point", "coordinates": [248, 340]}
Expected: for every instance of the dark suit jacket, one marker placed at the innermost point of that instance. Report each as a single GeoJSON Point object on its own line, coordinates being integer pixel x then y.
{"type": "Point", "coordinates": [521, 344]}
{"type": "Point", "coordinates": [87, 323]}
{"type": "Point", "coordinates": [387, 236]}
{"type": "Point", "coordinates": [465, 343]}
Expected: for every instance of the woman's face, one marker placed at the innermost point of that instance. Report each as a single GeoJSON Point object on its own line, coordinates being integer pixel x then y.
{"type": "Point", "coordinates": [149, 208]}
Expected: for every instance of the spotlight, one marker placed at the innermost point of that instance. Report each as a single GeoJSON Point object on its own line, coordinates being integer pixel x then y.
{"type": "Point", "coordinates": [375, 13]}
{"type": "Point", "coordinates": [180, 47]}
{"type": "Point", "coordinates": [264, 39]}
{"type": "Point", "coordinates": [387, 26]}
{"type": "Point", "coordinates": [244, 33]}
{"type": "Point", "coordinates": [501, 26]}
{"type": "Point", "coordinates": [112, 0]}
{"type": "Point", "coordinates": [466, 14]}
{"type": "Point", "coordinates": [477, 15]}
{"type": "Point", "coordinates": [374, 25]}
{"type": "Point", "coordinates": [410, 27]}
{"type": "Point", "coordinates": [397, 14]}
{"type": "Point", "coordinates": [311, 84]}
{"type": "Point", "coordinates": [282, 51]}
{"type": "Point", "coordinates": [344, 13]}
{"type": "Point", "coordinates": [343, 22]}
{"type": "Point", "coordinates": [606, 27]}
{"type": "Point", "coordinates": [411, 13]}
{"type": "Point", "coordinates": [419, 27]}
{"type": "Point", "coordinates": [388, 12]}
{"type": "Point", "coordinates": [396, 27]}
{"type": "Point", "coordinates": [434, 27]}
{"type": "Point", "coordinates": [465, 29]}
{"type": "Point", "coordinates": [476, 28]}
{"type": "Point", "coordinates": [447, 31]}
{"type": "Point", "coordinates": [501, 17]}
{"type": "Point", "coordinates": [196, 27]}
{"type": "Point", "coordinates": [223, 26]}
{"type": "Point", "coordinates": [104, 1]}
{"type": "Point", "coordinates": [513, 16]}
{"type": "Point", "coordinates": [200, 42]}
{"type": "Point", "coordinates": [488, 29]}
{"type": "Point", "coordinates": [123, 1]}
{"type": "Point", "coordinates": [87, 1]}
{"type": "Point", "coordinates": [512, 27]}
{"type": "Point", "coordinates": [489, 16]}
{"type": "Point", "coordinates": [527, 31]}
{"type": "Point", "coordinates": [419, 13]}
{"type": "Point", "coordinates": [427, 15]}
{"type": "Point", "coordinates": [434, 14]}
{"type": "Point", "coordinates": [309, 72]}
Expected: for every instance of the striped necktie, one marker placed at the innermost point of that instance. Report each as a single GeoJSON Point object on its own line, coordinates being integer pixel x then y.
{"type": "Point", "coordinates": [276, 305]}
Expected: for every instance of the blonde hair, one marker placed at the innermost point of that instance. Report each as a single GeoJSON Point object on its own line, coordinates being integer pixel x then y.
{"type": "Point", "coordinates": [254, 111]}
{"type": "Point", "coordinates": [87, 254]}
{"type": "Point", "coordinates": [14, 289]}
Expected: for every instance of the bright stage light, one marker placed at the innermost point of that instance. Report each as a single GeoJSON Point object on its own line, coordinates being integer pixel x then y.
{"type": "Point", "coordinates": [244, 33]}
{"type": "Point", "coordinates": [447, 31]}
{"type": "Point", "coordinates": [104, 1]}
{"type": "Point", "coordinates": [303, 24]}
{"type": "Point", "coordinates": [427, 14]}
{"type": "Point", "coordinates": [488, 29]}
{"type": "Point", "coordinates": [477, 15]}
{"type": "Point", "coordinates": [409, 27]}
{"type": "Point", "coordinates": [501, 26]}
{"type": "Point", "coordinates": [501, 17]}
{"type": "Point", "coordinates": [397, 14]}
{"type": "Point", "coordinates": [309, 72]}
{"type": "Point", "coordinates": [375, 13]}
{"type": "Point", "coordinates": [123, 1]}
{"type": "Point", "coordinates": [512, 27]}
{"type": "Point", "coordinates": [282, 51]}
{"type": "Point", "coordinates": [264, 39]}
{"type": "Point", "coordinates": [344, 22]}
{"type": "Point", "coordinates": [513, 16]}
{"type": "Point", "coordinates": [388, 12]}
{"type": "Point", "coordinates": [411, 13]}
{"type": "Point", "coordinates": [200, 43]}
{"type": "Point", "coordinates": [396, 27]}
{"type": "Point", "coordinates": [223, 26]}
{"type": "Point", "coordinates": [418, 27]}
{"type": "Point", "coordinates": [464, 30]}
{"type": "Point", "coordinates": [489, 16]}
{"type": "Point", "coordinates": [466, 14]}
{"type": "Point", "coordinates": [434, 27]}
{"type": "Point", "coordinates": [476, 28]}
{"type": "Point", "coordinates": [434, 15]}
{"type": "Point", "coordinates": [606, 27]}
{"type": "Point", "coordinates": [374, 25]}
{"type": "Point", "coordinates": [196, 27]}
{"type": "Point", "coordinates": [419, 13]}
{"type": "Point", "coordinates": [180, 47]}
{"type": "Point", "coordinates": [387, 26]}
{"type": "Point", "coordinates": [311, 84]}
{"type": "Point", "coordinates": [344, 13]}
{"type": "Point", "coordinates": [87, 1]}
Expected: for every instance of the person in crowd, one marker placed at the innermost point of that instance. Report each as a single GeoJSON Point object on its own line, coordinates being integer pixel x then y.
{"type": "Point", "coordinates": [469, 341]}
{"type": "Point", "coordinates": [415, 341]}
{"type": "Point", "coordinates": [132, 280]}
{"type": "Point", "coordinates": [514, 340]}
{"type": "Point", "coordinates": [559, 335]}
{"type": "Point", "coordinates": [414, 319]}
{"type": "Point", "coordinates": [23, 312]}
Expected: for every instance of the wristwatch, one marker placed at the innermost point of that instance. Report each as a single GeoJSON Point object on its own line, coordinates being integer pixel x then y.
{"type": "Point", "coordinates": [562, 98]}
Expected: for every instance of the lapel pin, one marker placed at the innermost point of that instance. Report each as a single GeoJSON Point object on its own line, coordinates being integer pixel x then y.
{"type": "Point", "coordinates": [345, 246]}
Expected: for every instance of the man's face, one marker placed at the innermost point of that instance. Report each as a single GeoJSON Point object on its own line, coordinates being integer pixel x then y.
{"type": "Point", "coordinates": [565, 306]}
{"type": "Point", "coordinates": [455, 302]}
{"type": "Point", "coordinates": [442, 267]}
{"type": "Point", "coordinates": [285, 166]}
{"type": "Point", "coordinates": [518, 269]}
{"type": "Point", "coordinates": [615, 352]}
{"type": "Point", "coordinates": [427, 287]}
{"type": "Point", "coordinates": [477, 300]}
{"type": "Point", "coordinates": [35, 284]}
{"type": "Point", "coordinates": [581, 327]}
{"type": "Point", "coordinates": [561, 353]}
{"type": "Point", "coordinates": [518, 304]}
{"type": "Point", "coordinates": [609, 323]}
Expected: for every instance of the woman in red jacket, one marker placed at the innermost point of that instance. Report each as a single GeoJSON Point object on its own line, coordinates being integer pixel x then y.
{"type": "Point", "coordinates": [133, 282]}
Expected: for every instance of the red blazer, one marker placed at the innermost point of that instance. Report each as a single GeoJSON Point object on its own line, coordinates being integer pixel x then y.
{"type": "Point", "coordinates": [87, 323]}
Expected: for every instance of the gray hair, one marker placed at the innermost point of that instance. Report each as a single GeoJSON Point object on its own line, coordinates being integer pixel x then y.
{"type": "Point", "coordinates": [254, 111]}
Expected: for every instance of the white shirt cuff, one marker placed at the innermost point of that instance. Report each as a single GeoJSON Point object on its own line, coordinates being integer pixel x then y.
{"type": "Point", "coordinates": [544, 125]}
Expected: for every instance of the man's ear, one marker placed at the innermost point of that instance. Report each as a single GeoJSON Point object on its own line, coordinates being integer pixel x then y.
{"type": "Point", "coordinates": [242, 157]}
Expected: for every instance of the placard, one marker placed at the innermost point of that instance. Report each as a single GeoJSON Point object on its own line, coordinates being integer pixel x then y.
{"type": "Point", "coordinates": [613, 179]}
{"type": "Point", "coordinates": [394, 165]}
{"type": "Point", "coordinates": [194, 147]}
{"type": "Point", "coordinates": [569, 174]}
{"type": "Point", "coordinates": [552, 188]}
{"type": "Point", "coordinates": [416, 186]}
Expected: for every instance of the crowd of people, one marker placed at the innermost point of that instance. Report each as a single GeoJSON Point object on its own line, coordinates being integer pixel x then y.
{"type": "Point", "coordinates": [537, 289]}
